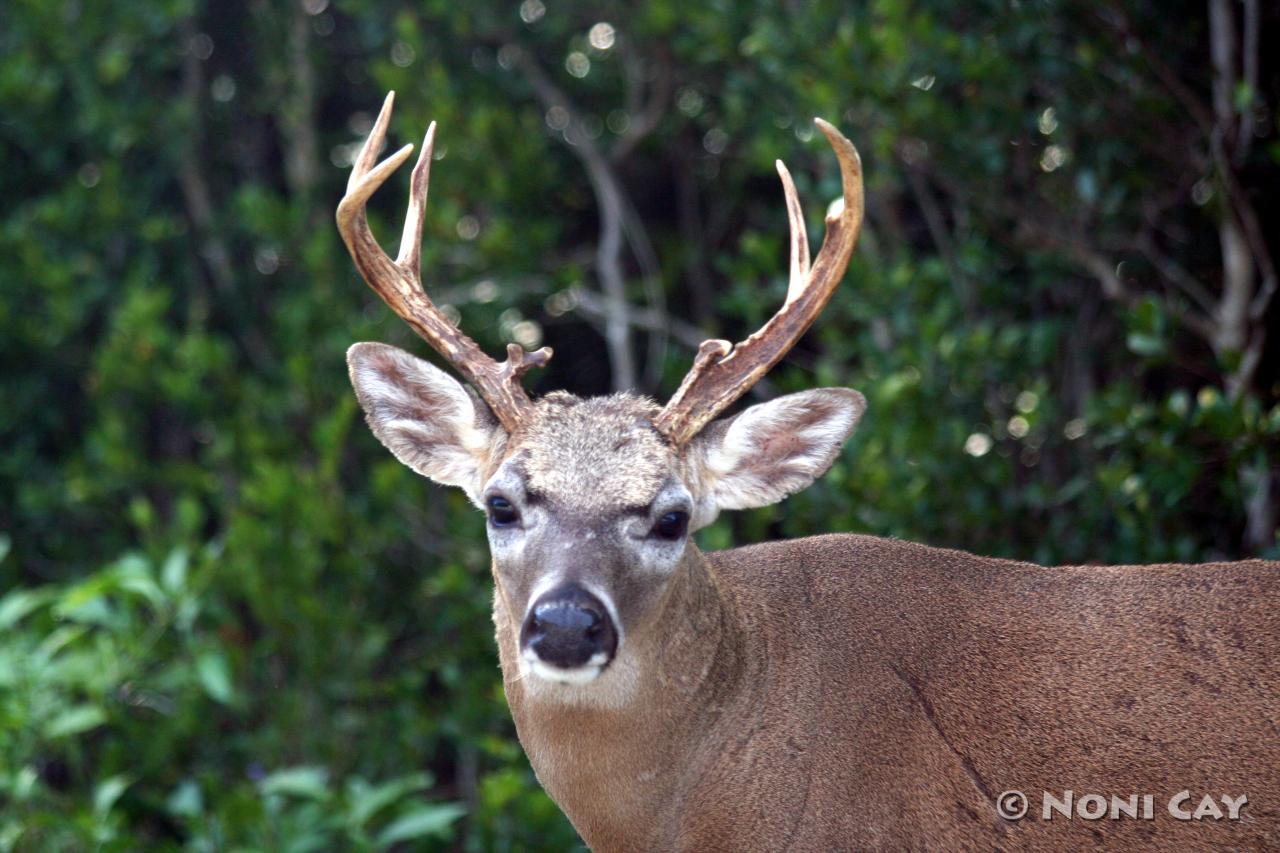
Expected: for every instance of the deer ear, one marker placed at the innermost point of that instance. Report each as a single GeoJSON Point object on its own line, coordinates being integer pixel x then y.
{"type": "Point", "coordinates": [424, 416]}
{"type": "Point", "coordinates": [775, 449]}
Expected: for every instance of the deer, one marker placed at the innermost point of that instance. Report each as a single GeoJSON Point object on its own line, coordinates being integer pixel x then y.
{"type": "Point", "coordinates": [829, 693]}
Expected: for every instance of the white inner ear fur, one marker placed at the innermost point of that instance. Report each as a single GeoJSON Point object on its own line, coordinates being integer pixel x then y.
{"type": "Point", "coordinates": [772, 450]}
{"type": "Point", "coordinates": [424, 416]}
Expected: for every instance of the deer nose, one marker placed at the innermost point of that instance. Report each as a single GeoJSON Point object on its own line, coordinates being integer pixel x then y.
{"type": "Point", "coordinates": [569, 627]}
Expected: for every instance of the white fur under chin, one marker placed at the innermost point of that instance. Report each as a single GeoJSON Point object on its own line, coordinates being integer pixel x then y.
{"type": "Point", "coordinates": [585, 674]}
{"type": "Point", "coordinates": [592, 684]}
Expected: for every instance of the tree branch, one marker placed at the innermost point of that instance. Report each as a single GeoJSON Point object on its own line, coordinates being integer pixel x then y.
{"type": "Point", "coordinates": [940, 234]}
{"type": "Point", "coordinates": [595, 306]}
{"type": "Point", "coordinates": [1249, 47]}
{"type": "Point", "coordinates": [1103, 269]}
{"type": "Point", "coordinates": [198, 199]}
{"type": "Point", "coordinates": [643, 119]}
{"type": "Point", "coordinates": [1176, 274]}
{"type": "Point", "coordinates": [608, 195]}
{"type": "Point", "coordinates": [298, 117]}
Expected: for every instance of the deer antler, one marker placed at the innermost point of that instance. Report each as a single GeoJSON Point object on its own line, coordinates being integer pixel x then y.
{"type": "Point", "coordinates": [723, 372]}
{"type": "Point", "coordinates": [399, 282]}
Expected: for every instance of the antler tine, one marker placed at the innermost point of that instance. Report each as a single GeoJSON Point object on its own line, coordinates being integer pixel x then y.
{"type": "Point", "coordinates": [799, 236]}
{"type": "Point", "coordinates": [373, 144]}
{"type": "Point", "coordinates": [399, 282]}
{"type": "Point", "coordinates": [411, 239]}
{"type": "Point", "coordinates": [723, 372]}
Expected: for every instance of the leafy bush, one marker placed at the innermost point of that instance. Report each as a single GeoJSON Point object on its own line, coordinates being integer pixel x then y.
{"type": "Point", "coordinates": [123, 668]}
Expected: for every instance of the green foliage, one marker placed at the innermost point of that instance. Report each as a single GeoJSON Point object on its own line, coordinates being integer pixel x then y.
{"type": "Point", "coordinates": [230, 621]}
{"type": "Point", "coordinates": [126, 667]}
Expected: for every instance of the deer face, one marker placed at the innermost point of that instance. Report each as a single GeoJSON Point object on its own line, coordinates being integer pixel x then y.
{"type": "Point", "coordinates": [589, 505]}
{"type": "Point", "coordinates": [590, 502]}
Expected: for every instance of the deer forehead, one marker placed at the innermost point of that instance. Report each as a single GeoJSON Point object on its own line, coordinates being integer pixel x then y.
{"type": "Point", "coordinates": [599, 452]}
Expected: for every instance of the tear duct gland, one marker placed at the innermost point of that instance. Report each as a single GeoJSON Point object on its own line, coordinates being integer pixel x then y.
{"type": "Point", "coordinates": [832, 692]}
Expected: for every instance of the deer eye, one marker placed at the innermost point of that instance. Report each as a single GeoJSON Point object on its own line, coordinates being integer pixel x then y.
{"type": "Point", "coordinates": [501, 512]}
{"type": "Point", "coordinates": [671, 526]}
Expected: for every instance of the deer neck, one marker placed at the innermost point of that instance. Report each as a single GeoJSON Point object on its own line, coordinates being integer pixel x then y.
{"type": "Point", "coordinates": [615, 759]}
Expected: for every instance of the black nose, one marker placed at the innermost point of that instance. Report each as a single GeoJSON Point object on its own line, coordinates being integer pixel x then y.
{"type": "Point", "coordinates": [568, 627]}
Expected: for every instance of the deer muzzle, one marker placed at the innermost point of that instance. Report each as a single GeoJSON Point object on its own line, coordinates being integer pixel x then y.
{"type": "Point", "coordinates": [568, 635]}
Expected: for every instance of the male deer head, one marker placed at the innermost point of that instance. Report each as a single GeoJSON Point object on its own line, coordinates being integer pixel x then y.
{"type": "Point", "coordinates": [591, 502]}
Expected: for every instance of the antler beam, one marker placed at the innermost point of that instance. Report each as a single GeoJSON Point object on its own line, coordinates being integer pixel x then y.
{"type": "Point", "coordinates": [399, 282]}
{"type": "Point", "coordinates": [722, 372]}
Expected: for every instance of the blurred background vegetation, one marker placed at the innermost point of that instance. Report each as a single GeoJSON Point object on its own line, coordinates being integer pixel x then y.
{"type": "Point", "coordinates": [229, 620]}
